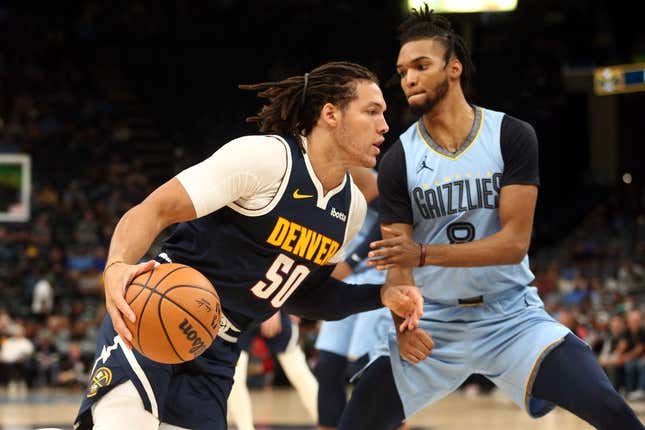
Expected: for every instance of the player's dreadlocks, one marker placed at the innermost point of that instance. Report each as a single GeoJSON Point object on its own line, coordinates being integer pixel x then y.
{"type": "Point", "coordinates": [295, 103]}
{"type": "Point", "coordinates": [423, 23]}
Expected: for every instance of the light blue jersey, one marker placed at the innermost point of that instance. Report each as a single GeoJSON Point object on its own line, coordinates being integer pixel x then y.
{"type": "Point", "coordinates": [485, 320]}
{"type": "Point", "coordinates": [455, 198]}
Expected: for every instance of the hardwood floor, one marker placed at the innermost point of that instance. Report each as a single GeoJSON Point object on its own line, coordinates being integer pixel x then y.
{"type": "Point", "coordinates": [280, 408]}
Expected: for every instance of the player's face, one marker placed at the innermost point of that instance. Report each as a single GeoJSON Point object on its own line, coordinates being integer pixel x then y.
{"type": "Point", "coordinates": [424, 76]}
{"type": "Point", "coordinates": [362, 126]}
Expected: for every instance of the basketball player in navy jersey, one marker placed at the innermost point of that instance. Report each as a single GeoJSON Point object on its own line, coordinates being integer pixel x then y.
{"type": "Point", "coordinates": [457, 195]}
{"type": "Point", "coordinates": [265, 218]}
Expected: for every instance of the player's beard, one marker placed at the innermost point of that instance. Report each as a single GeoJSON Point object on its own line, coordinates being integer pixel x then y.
{"type": "Point", "coordinates": [350, 147]}
{"type": "Point", "coordinates": [430, 102]}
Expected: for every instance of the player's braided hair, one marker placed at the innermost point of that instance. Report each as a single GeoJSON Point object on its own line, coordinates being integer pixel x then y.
{"type": "Point", "coordinates": [423, 23]}
{"type": "Point", "coordinates": [295, 103]}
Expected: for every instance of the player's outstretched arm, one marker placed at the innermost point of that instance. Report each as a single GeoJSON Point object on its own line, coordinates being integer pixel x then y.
{"type": "Point", "coordinates": [415, 344]}
{"type": "Point", "coordinates": [132, 237]}
{"type": "Point", "coordinates": [406, 302]}
{"type": "Point", "coordinates": [508, 246]}
{"type": "Point", "coordinates": [322, 297]}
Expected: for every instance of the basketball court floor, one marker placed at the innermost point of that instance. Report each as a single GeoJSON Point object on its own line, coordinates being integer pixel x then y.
{"type": "Point", "coordinates": [280, 409]}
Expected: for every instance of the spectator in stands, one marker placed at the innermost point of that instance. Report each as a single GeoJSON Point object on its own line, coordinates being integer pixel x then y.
{"type": "Point", "coordinates": [46, 362]}
{"type": "Point", "coordinates": [15, 353]}
{"type": "Point", "coordinates": [73, 371]}
{"type": "Point", "coordinates": [578, 293]}
{"type": "Point", "coordinates": [610, 358]}
{"type": "Point", "coordinates": [42, 301]}
{"type": "Point", "coordinates": [567, 317]}
{"type": "Point", "coordinates": [59, 328]}
{"type": "Point", "coordinates": [547, 281]}
{"type": "Point", "coordinates": [599, 330]}
{"type": "Point", "coordinates": [631, 277]}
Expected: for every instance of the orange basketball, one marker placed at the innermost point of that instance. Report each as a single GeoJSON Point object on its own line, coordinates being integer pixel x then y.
{"type": "Point", "coordinates": [177, 313]}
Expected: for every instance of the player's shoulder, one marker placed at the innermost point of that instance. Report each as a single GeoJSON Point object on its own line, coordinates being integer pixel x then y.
{"type": "Point", "coordinates": [514, 127]}
{"type": "Point", "coordinates": [511, 128]}
{"type": "Point", "coordinates": [517, 139]}
{"type": "Point", "coordinates": [257, 152]}
{"type": "Point", "coordinates": [260, 141]}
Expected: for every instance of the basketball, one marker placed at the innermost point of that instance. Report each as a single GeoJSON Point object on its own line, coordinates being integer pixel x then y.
{"type": "Point", "coordinates": [177, 313]}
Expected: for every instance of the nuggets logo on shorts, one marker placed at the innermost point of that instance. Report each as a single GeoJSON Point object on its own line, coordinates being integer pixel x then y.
{"type": "Point", "coordinates": [101, 378]}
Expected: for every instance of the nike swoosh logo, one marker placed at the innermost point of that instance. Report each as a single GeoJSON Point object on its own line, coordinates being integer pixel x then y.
{"type": "Point", "coordinates": [297, 195]}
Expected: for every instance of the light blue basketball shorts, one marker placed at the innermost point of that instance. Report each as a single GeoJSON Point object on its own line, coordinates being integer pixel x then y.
{"type": "Point", "coordinates": [505, 339]}
{"type": "Point", "coordinates": [335, 336]}
{"type": "Point", "coordinates": [355, 335]}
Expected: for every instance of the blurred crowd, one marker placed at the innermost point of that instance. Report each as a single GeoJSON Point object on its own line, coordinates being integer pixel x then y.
{"type": "Point", "coordinates": [593, 281]}
{"type": "Point", "coordinates": [59, 105]}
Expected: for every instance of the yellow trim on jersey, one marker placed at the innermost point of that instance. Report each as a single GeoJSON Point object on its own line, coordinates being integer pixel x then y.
{"type": "Point", "coordinates": [472, 142]}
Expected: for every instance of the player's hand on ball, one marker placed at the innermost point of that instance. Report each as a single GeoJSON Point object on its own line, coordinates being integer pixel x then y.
{"type": "Point", "coordinates": [415, 345]}
{"type": "Point", "coordinates": [398, 250]}
{"type": "Point", "coordinates": [115, 279]}
{"type": "Point", "coordinates": [406, 301]}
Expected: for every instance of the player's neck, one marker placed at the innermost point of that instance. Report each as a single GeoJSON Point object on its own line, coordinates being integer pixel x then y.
{"type": "Point", "coordinates": [450, 122]}
{"type": "Point", "coordinates": [329, 170]}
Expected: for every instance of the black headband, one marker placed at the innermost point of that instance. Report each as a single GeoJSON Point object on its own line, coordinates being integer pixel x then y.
{"type": "Point", "coordinates": [304, 90]}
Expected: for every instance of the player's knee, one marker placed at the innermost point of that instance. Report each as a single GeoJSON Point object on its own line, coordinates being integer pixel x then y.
{"type": "Point", "coordinates": [122, 407]}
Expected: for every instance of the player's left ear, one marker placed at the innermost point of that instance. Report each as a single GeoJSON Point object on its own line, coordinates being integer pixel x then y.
{"type": "Point", "coordinates": [330, 114]}
{"type": "Point", "coordinates": [455, 68]}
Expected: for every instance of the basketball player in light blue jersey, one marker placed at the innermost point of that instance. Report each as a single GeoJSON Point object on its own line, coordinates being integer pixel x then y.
{"type": "Point", "coordinates": [457, 197]}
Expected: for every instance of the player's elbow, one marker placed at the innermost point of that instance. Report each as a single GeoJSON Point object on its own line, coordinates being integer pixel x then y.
{"type": "Point", "coordinates": [518, 250]}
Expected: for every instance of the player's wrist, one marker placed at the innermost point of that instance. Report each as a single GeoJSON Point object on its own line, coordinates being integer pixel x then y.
{"type": "Point", "coordinates": [111, 263]}
{"type": "Point", "coordinates": [382, 294]}
{"type": "Point", "coordinates": [422, 254]}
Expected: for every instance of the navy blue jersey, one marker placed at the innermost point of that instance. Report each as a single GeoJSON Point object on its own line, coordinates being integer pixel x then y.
{"type": "Point", "coordinates": [273, 246]}
{"type": "Point", "coordinates": [256, 261]}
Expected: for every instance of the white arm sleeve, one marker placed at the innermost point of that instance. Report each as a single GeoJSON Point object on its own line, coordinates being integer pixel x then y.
{"type": "Point", "coordinates": [355, 221]}
{"type": "Point", "coordinates": [242, 169]}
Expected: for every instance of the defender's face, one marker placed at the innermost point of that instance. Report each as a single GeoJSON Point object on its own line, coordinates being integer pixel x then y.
{"type": "Point", "coordinates": [424, 76]}
{"type": "Point", "coordinates": [362, 126]}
